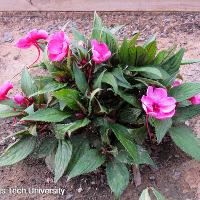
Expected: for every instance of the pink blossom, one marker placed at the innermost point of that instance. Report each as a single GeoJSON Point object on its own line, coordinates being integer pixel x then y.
{"type": "Point", "coordinates": [100, 52]}
{"type": "Point", "coordinates": [177, 82]}
{"type": "Point", "coordinates": [195, 100]}
{"type": "Point", "coordinates": [58, 46]}
{"type": "Point", "coordinates": [157, 104]}
{"type": "Point", "coordinates": [4, 89]}
{"type": "Point", "coordinates": [31, 38]}
{"type": "Point", "coordinates": [19, 99]}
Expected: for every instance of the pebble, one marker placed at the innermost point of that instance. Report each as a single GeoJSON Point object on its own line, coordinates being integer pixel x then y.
{"type": "Point", "coordinates": [7, 37]}
{"type": "Point", "coordinates": [69, 196]}
{"type": "Point", "coordinates": [176, 175]}
{"type": "Point", "coordinates": [80, 190]}
{"type": "Point", "coordinates": [152, 178]}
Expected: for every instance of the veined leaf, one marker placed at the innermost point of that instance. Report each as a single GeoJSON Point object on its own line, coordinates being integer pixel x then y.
{"type": "Point", "coordinates": [28, 85]}
{"type": "Point", "coordinates": [80, 79]}
{"type": "Point", "coordinates": [161, 127]}
{"type": "Point", "coordinates": [50, 87]}
{"type": "Point", "coordinates": [110, 79]}
{"type": "Point", "coordinates": [151, 70]}
{"type": "Point", "coordinates": [69, 97]}
{"type": "Point", "coordinates": [124, 52]}
{"type": "Point", "coordinates": [97, 82]}
{"type": "Point", "coordinates": [89, 161]}
{"type": "Point", "coordinates": [97, 24]}
{"type": "Point", "coordinates": [18, 151]}
{"type": "Point", "coordinates": [62, 158]}
{"type": "Point", "coordinates": [47, 115]}
{"type": "Point", "coordinates": [118, 74]}
{"type": "Point", "coordinates": [185, 113]}
{"type": "Point", "coordinates": [185, 91]}
{"type": "Point", "coordinates": [185, 140]}
{"type": "Point", "coordinates": [145, 195]}
{"type": "Point", "coordinates": [123, 136]}
{"type": "Point", "coordinates": [61, 129]}
{"type": "Point", "coordinates": [188, 62]}
{"type": "Point", "coordinates": [117, 177]}
{"type": "Point", "coordinates": [6, 112]}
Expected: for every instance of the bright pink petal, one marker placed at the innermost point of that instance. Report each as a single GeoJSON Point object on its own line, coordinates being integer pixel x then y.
{"type": "Point", "coordinates": [195, 100]}
{"type": "Point", "coordinates": [23, 43]}
{"type": "Point", "coordinates": [177, 82]}
{"type": "Point", "coordinates": [4, 89]}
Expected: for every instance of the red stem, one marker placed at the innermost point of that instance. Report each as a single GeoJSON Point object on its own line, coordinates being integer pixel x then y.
{"type": "Point", "coordinates": [148, 128]}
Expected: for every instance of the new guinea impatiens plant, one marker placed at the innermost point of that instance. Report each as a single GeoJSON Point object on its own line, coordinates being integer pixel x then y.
{"type": "Point", "coordinates": [101, 103]}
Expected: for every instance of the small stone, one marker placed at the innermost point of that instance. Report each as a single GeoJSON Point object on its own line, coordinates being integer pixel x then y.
{"type": "Point", "coordinates": [7, 37]}
{"type": "Point", "coordinates": [152, 178]}
{"type": "Point", "coordinates": [69, 196]}
{"type": "Point", "coordinates": [80, 190]}
{"type": "Point", "coordinates": [176, 175]}
{"type": "Point", "coordinates": [93, 182]}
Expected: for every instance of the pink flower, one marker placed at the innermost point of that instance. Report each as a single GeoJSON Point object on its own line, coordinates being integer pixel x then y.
{"type": "Point", "coordinates": [4, 89]}
{"type": "Point", "coordinates": [31, 38]}
{"type": "Point", "coordinates": [100, 52]}
{"type": "Point", "coordinates": [177, 82]}
{"type": "Point", "coordinates": [195, 100]}
{"type": "Point", "coordinates": [58, 46]}
{"type": "Point", "coordinates": [157, 104]}
{"type": "Point", "coordinates": [19, 99]}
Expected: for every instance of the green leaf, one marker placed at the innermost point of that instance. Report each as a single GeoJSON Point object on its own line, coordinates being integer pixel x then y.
{"type": "Point", "coordinates": [110, 79]}
{"type": "Point", "coordinates": [47, 115]}
{"type": "Point", "coordinates": [188, 62]}
{"type": "Point", "coordinates": [185, 140]}
{"type": "Point", "coordinates": [18, 151]}
{"type": "Point", "coordinates": [149, 41]}
{"type": "Point", "coordinates": [129, 115]}
{"type": "Point", "coordinates": [92, 95]}
{"type": "Point", "coordinates": [145, 195]}
{"type": "Point", "coordinates": [28, 85]}
{"type": "Point", "coordinates": [133, 40]}
{"type": "Point", "coordinates": [148, 70]}
{"type": "Point", "coordinates": [62, 158]}
{"type": "Point", "coordinates": [161, 127]}
{"type": "Point", "coordinates": [77, 35]}
{"type": "Point", "coordinates": [88, 161]}
{"type": "Point", "coordinates": [61, 129]}
{"type": "Point", "coordinates": [118, 74]}
{"type": "Point", "coordinates": [151, 51]}
{"type": "Point", "coordinates": [147, 81]}
{"type": "Point", "coordinates": [97, 24]}
{"type": "Point", "coordinates": [80, 79]}
{"type": "Point", "coordinates": [139, 134]}
{"type": "Point", "coordinates": [123, 136]}
{"type": "Point", "coordinates": [184, 91]}
{"type": "Point", "coordinates": [185, 113]}
{"type": "Point", "coordinates": [97, 82]}
{"type": "Point", "coordinates": [139, 55]}
{"type": "Point", "coordinates": [130, 98]}
{"type": "Point", "coordinates": [50, 87]}
{"type": "Point", "coordinates": [172, 65]}
{"type": "Point", "coordinates": [157, 194]}
{"type": "Point", "coordinates": [69, 97]}
{"type": "Point", "coordinates": [124, 52]}
{"type": "Point", "coordinates": [47, 145]}
{"type": "Point", "coordinates": [6, 112]}
{"type": "Point", "coordinates": [117, 177]}
{"type": "Point", "coordinates": [9, 103]}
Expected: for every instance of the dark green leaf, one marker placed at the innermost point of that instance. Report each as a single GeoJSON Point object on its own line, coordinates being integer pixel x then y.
{"type": "Point", "coordinates": [186, 113]}
{"type": "Point", "coordinates": [123, 136]}
{"type": "Point", "coordinates": [89, 161]}
{"type": "Point", "coordinates": [47, 115]}
{"type": "Point", "coordinates": [6, 112]}
{"type": "Point", "coordinates": [61, 129]}
{"type": "Point", "coordinates": [18, 151]}
{"type": "Point", "coordinates": [62, 158]}
{"type": "Point", "coordinates": [124, 52]}
{"type": "Point", "coordinates": [97, 82]}
{"type": "Point", "coordinates": [185, 140]}
{"type": "Point", "coordinates": [110, 79]}
{"type": "Point", "coordinates": [185, 91]}
{"type": "Point", "coordinates": [80, 79]}
{"type": "Point", "coordinates": [161, 127]}
{"type": "Point", "coordinates": [117, 177]}
{"type": "Point", "coordinates": [28, 85]}
{"type": "Point", "coordinates": [69, 97]}
{"type": "Point", "coordinates": [50, 87]}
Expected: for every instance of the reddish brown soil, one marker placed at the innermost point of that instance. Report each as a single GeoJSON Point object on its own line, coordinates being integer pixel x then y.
{"type": "Point", "coordinates": [177, 176]}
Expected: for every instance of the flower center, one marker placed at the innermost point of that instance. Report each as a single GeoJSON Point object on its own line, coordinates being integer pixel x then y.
{"type": "Point", "coordinates": [156, 107]}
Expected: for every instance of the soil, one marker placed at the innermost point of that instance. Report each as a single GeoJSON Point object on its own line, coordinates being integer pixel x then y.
{"type": "Point", "coordinates": [177, 176]}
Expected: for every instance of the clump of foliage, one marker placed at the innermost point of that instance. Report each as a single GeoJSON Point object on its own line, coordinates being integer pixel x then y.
{"type": "Point", "coordinates": [99, 103]}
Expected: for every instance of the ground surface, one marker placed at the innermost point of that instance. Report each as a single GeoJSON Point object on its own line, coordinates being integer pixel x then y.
{"type": "Point", "coordinates": [177, 176]}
